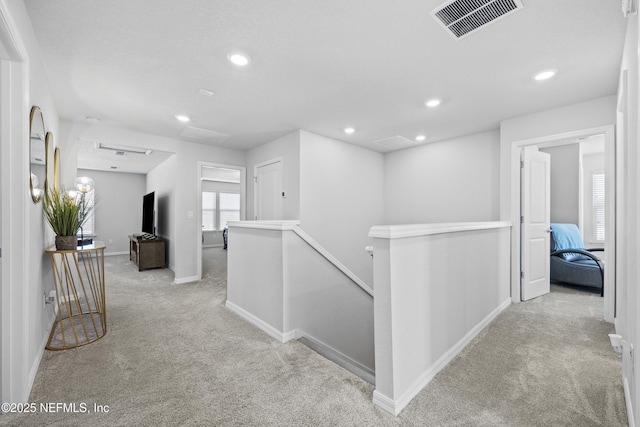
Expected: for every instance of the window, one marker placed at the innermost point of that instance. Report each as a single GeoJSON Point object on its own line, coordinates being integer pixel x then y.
{"type": "Point", "coordinates": [89, 227]}
{"type": "Point", "coordinates": [598, 206]}
{"type": "Point", "coordinates": [209, 210]}
{"type": "Point", "coordinates": [229, 208]}
{"type": "Point", "coordinates": [218, 209]}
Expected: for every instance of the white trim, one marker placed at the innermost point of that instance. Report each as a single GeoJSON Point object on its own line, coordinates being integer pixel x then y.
{"type": "Point", "coordinates": [182, 280]}
{"type": "Point", "coordinates": [282, 337]}
{"type": "Point", "coordinates": [337, 357]}
{"type": "Point", "coordinates": [627, 399]}
{"type": "Point", "coordinates": [416, 230]}
{"type": "Point", "coordinates": [243, 204]}
{"type": "Point", "coordinates": [333, 260]}
{"type": "Point", "coordinates": [293, 225]}
{"type": "Point", "coordinates": [397, 405]}
{"type": "Point", "coordinates": [265, 225]}
{"type": "Point", "coordinates": [514, 191]}
{"type": "Point", "coordinates": [116, 253]}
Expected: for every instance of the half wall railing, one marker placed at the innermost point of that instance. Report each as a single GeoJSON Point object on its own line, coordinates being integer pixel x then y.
{"type": "Point", "coordinates": [283, 281]}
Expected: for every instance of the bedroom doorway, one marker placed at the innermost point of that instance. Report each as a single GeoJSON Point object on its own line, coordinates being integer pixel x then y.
{"type": "Point", "coordinates": [222, 197]}
{"type": "Point", "coordinates": [609, 207]}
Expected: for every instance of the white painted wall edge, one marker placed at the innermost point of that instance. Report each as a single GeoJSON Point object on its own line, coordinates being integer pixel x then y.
{"type": "Point", "coordinates": [416, 230]}
{"type": "Point", "coordinates": [333, 260]}
{"type": "Point", "coordinates": [282, 337]}
{"type": "Point", "coordinates": [183, 280]}
{"type": "Point", "coordinates": [396, 406]}
{"type": "Point", "coordinates": [293, 225]}
{"type": "Point", "coordinates": [265, 225]}
{"type": "Point", "coordinates": [627, 398]}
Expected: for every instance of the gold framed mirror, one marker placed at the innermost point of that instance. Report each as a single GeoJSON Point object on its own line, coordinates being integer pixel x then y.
{"type": "Point", "coordinates": [37, 154]}
{"type": "Point", "coordinates": [50, 166]}
{"type": "Point", "coordinates": [56, 169]}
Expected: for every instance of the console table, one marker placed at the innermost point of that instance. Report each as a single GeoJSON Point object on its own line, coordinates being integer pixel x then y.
{"type": "Point", "coordinates": [146, 252]}
{"type": "Point", "coordinates": [80, 300]}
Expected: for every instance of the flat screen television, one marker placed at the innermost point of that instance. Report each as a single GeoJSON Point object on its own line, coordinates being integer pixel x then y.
{"type": "Point", "coordinates": [148, 206]}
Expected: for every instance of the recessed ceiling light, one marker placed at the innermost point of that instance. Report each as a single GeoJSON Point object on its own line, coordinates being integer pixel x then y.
{"type": "Point", "coordinates": [239, 59]}
{"type": "Point", "coordinates": [349, 130]}
{"type": "Point", "coordinates": [433, 103]}
{"type": "Point", "coordinates": [182, 118]}
{"type": "Point", "coordinates": [545, 75]}
{"type": "Point", "coordinates": [421, 138]}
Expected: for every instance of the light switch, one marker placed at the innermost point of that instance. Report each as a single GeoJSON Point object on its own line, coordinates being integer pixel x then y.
{"type": "Point", "coordinates": [189, 214]}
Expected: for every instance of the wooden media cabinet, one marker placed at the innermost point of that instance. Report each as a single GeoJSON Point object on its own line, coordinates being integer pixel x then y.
{"type": "Point", "coordinates": [147, 252]}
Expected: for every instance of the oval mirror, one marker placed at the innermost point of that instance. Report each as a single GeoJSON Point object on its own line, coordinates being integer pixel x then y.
{"type": "Point", "coordinates": [37, 154]}
{"type": "Point", "coordinates": [56, 169]}
{"type": "Point", "coordinates": [50, 165]}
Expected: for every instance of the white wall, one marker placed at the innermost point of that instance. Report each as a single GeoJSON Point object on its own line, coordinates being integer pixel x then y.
{"type": "Point", "coordinates": [447, 181]}
{"type": "Point", "coordinates": [288, 149]}
{"type": "Point", "coordinates": [341, 198]}
{"type": "Point", "coordinates": [118, 211]}
{"type": "Point", "coordinates": [26, 269]}
{"type": "Point", "coordinates": [565, 183]}
{"type": "Point", "coordinates": [182, 177]}
{"type": "Point", "coordinates": [576, 118]}
{"type": "Point", "coordinates": [161, 180]}
{"type": "Point", "coordinates": [628, 212]}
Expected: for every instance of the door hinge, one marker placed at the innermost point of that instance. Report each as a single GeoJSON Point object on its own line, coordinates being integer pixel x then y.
{"type": "Point", "coordinates": [521, 164]}
{"type": "Point", "coordinates": [521, 220]}
{"type": "Point", "coordinates": [255, 179]}
{"type": "Point", "coordinates": [522, 274]}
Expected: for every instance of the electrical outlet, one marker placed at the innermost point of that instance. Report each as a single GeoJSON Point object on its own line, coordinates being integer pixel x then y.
{"type": "Point", "coordinates": [110, 241]}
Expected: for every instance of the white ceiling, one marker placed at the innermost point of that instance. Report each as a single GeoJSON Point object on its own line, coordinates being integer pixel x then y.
{"type": "Point", "coordinates": [319, 65]}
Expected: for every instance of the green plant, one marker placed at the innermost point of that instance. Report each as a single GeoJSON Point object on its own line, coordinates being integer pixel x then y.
{"type": "Point", "coordinates": [64, 212]}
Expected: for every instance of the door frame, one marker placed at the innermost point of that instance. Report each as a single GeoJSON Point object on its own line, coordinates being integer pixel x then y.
{"type": "Point", "coordinates": [243, 204]}
{"type": "Point", "coordinates": [610, 243]}
{"type": "Point", "coordinates": [15, 314]}
{"type": "Point", "coordinates": [255, 180]}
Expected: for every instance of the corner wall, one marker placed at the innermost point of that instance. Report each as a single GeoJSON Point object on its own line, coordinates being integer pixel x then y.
{"type": "Point", "coordinates": [628, 212]}
{"type": "Point", "coordinates": [341, 198]}
{"type": "Point", "coordinates": [118, 210]}
{"type": "Point", "coordinates": [26, 269]}
{"type": "Point", "coordinates": [446, 181]}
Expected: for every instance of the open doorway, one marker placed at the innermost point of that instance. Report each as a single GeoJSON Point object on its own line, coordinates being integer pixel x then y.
{"type": "Point", "coordinates": [577, 202]}
{"type": "Point", "coordinates": [222, 198]}
{"type": "Point", "coordinates": [609, 208]}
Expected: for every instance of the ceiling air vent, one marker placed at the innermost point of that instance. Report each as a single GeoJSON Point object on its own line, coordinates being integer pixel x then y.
{"type": "Point", "coordinates": [204, 136]}
{"type": "Point", "coordinates": [396, 142]}
{"type": "Point", "coordinates": [462, 17]}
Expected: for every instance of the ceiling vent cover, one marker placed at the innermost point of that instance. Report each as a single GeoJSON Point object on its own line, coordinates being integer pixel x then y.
{"type": "Point", "coordinates": [462, 17]}
{"type": "Point", "coordinates": [204, 136]}
{"type": "Point", "coordinates": [396, 142]}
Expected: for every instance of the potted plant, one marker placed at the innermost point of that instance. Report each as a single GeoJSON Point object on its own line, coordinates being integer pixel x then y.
{"type": "Point", "coordinates": [66, 215]}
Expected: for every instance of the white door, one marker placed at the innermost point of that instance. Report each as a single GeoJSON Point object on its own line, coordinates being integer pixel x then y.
{"type": "Point", "coordinates": [268, 191]}
{"type": "Point", "coordinates": [535, 221]}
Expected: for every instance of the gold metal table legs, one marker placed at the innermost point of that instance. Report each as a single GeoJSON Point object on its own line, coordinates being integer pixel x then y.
{"type": "Point", "coordinates": [80, 300]}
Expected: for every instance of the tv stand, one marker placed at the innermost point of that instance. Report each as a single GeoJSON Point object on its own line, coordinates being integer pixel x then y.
{"type": "Point", "coordinates": [147, 252]}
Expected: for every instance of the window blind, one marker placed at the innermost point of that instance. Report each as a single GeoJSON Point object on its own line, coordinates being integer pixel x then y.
{"type": "Point", "coordinates": [598, 206]}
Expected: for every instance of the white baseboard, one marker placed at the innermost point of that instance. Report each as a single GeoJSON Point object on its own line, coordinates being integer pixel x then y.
{"type": "Point", "coordinates": [397, 405]}
{"type": "Point", "coordinates": [282, 337]}
{"type": "Point", "coordinates": [627, 398]}
{"type": "Point", "coordinates": [337, 357]}
{"type": "Point", "coordinates": [182, 280]}
{"type": "Point", "coordinates": [116, 253]}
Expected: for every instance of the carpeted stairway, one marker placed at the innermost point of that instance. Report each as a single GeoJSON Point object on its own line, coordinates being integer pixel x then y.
{"type": "Point", "coordinates": [174, 355]}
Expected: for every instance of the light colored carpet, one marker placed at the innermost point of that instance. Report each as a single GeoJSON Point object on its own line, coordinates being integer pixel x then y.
{"type": "Point", "coordinates": [174, 355]}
